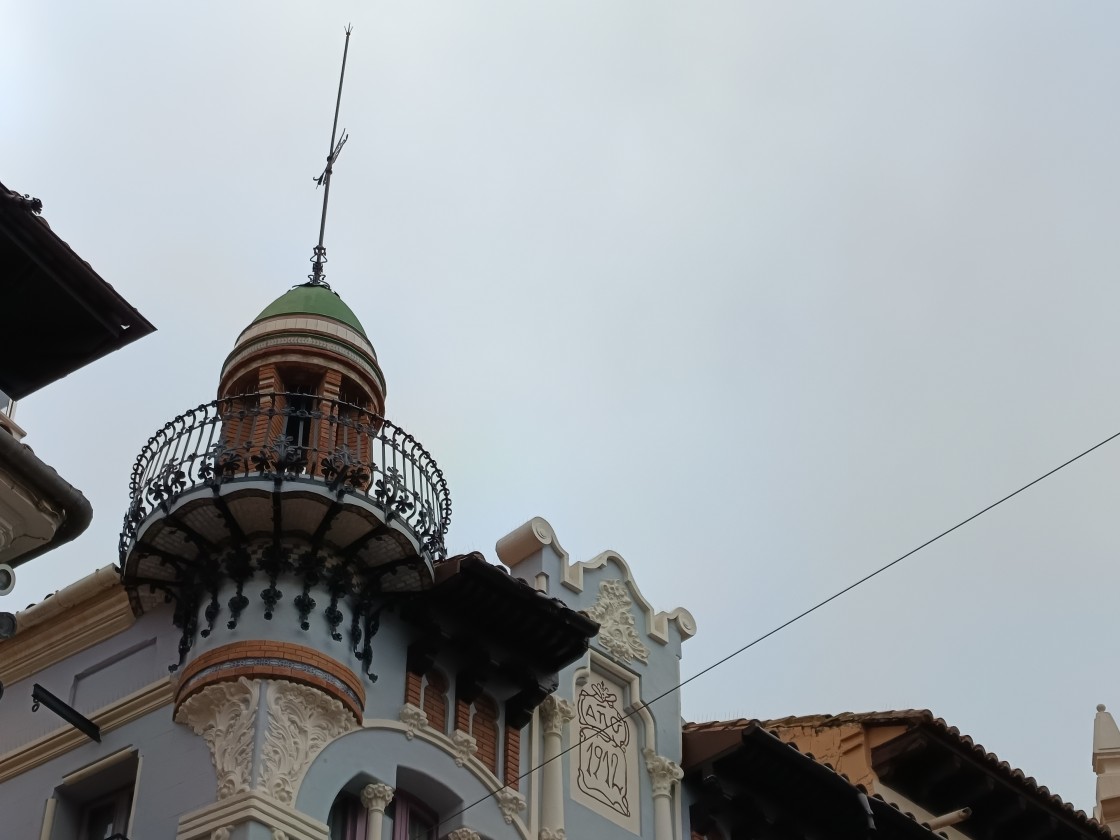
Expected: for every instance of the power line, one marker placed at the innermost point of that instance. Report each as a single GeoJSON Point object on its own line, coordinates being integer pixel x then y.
{"type": "Point", "coordinates": [803, 614]}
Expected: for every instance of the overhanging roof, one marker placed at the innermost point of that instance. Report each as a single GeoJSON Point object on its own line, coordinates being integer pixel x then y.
{"type": "Point", "coordinates": [58, 314]}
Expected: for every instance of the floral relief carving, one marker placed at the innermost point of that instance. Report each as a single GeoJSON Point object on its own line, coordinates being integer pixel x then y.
{"type": "Point", "coordinates": [464, 746]}
{"type": "Point", "coordinates": [510, 803]}
{"type": "Point", "coordinates": [464, 834]}
{"type": "Point", "coordinates": [663, 772]}
{"type": "Point", "coordinates": [414, 719]}
{"type": "Point", "coordinates": [552, 834]}
{"type": "Point", "coordinates": [377, 796]}
{"type": "Point", "coordinates": [617, 634]}
{"type": "Point", "coordinates": [223, 714]}
{"type": "Point", "coordinates": [555, 713]}
{"type": "Point", "coordinates": [301, 722]}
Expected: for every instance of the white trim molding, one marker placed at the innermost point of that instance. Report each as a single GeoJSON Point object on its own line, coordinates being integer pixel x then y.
{"type": "Point", "coordinates": [249, 806]}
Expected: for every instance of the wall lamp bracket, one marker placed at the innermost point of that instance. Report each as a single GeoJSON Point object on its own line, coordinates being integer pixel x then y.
{"type": "Point", "coordinates": [68, 713]}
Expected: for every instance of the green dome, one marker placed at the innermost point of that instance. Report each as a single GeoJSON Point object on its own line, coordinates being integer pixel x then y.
{"type": "Point", "coordinates": [313, 299]}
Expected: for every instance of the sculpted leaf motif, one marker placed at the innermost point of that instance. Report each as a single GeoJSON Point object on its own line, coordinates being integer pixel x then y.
{"type": "Point", "coordinates": [301, 722]}
{"type": "Point", "coordinates": [223, 715]}
{"type": "Point", "coordinates": [616, 623]}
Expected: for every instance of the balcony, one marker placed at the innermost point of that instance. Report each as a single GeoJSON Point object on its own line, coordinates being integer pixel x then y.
{"type": "Point", "coordinates": [291, 470]}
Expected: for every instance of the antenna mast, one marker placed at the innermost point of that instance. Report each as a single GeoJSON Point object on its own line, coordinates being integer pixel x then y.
{"type": "Point", "coordinates": [319, 253]}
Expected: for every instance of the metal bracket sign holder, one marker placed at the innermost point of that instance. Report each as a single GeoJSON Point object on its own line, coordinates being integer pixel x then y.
{"type": "Point", "coordinates": [68, 713]}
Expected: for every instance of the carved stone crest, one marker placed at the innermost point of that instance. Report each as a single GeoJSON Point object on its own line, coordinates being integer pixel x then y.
{"type": "Point", "coordinates": [301, 721]}
{"type": "Point", "coordinates": [465, 746]}
{"type": "Point", "coordinates": [616, 623]}
{"type": "Point", "coordinates": [510, 803]}
{"type": "Point", "coordinates": [413, 718]}
{"type": "Point", "coordinates": [604, 747]}
{"type": "Point", "coordinates": [223, 715]}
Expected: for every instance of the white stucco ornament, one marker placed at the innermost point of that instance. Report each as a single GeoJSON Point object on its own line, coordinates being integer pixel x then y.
{"type": "Point", "coordinates": [555, 713]}
{"type": "Point", "coordinates": [663, 772]}
{"type": "Point", "coordinates": [464, 834]}
{"type": "Point", "coordinates": [464, 745]}
{"type": "Point", "coordinates": [221, 833]}
{"type": "Point", "coordinates": [552, 834]}
{"type": "Point", "coordinates": [301, 722]}
{"type": "Point", "coordinates": [617, 634]}
{"type": "Point", "coordinates": [223, 715]}
{"type": "Point", "coordinates": [278, 834]}
{"type": "Point", "coordinates": [377, 796]}
{"type": "Point", "coordinates": [510, 803]}
{"type": "Point", "coordinates": [413, 718]}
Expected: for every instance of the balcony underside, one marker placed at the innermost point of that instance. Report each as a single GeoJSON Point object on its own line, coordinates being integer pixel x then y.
{"type": "Point", "coordinates": [297, 516]}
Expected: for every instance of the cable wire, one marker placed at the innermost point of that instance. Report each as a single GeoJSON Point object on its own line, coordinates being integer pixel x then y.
{"type": "Point", "coordinates": [643, 704]}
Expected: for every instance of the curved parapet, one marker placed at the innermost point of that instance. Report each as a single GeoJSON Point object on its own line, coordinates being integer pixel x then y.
{"type": "Point", "coordinates": [529, 539]}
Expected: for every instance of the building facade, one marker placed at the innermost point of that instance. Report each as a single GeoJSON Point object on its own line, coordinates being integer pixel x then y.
{"type": "Point", "coordinates": [287, 651]}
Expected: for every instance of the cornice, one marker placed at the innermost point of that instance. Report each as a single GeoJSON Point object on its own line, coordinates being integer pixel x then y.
{"type": "Point", "coordinates": [93, 613]}
{"type": "Point", "coordinates": [62, 740]}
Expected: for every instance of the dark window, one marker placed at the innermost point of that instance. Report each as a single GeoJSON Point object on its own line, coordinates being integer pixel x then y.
{"type": "Point", "coordinates": [412, 820]}
{"type": "Point", "coordinates": [298, 427]}
{"type": "Point", "coordinates": [347, 818]}
{"type": "Point", "coordinates": [107, 817]}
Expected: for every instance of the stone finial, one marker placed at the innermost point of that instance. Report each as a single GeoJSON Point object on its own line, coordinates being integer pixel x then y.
{"type": "Point", "coordinates": [1106, 764]}
{"type": "Point", "coordinates": [1106, 742]}
{"type": "Point", "coordinates": [376, 797]}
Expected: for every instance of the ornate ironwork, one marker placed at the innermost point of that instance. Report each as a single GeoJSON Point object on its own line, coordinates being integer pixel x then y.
{"type": "Point", "coordinates": [277, 436]}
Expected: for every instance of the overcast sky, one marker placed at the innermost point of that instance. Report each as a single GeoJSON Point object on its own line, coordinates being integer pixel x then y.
{"type": "Point", "coordinates": [760, 295]}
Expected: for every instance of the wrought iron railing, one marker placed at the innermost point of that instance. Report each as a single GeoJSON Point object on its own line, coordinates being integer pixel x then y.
{"type": "Point", "coordinates": [293, 437]}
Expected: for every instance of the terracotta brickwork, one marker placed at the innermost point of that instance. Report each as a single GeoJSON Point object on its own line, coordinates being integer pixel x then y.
{"type": "Point", "coordinates": [462, 715]}
{"type": "Point", "coordinates": [512, 761]}
{"type": "Point", "coordinates": [413, 686]}
{"type": "Point", "coordinates": [435, 700]}
{"type": "Point", "coordinates": [484, 728]}
{"type": "Point", "coordinates": [287, 661]}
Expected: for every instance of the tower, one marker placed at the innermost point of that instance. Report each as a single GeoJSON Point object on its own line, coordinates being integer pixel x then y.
{"type": "Point", "coordinates": [289, 488]}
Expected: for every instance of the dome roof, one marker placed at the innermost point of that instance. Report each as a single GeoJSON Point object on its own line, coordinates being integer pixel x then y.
{"type": "Point", "coordinates": [312, 299]}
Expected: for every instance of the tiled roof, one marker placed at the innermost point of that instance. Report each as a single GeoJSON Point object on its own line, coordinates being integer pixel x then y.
{"type": "Point", "coordinates": [950, 734]}
{"type": "Point", "coordinates": [786, 765]}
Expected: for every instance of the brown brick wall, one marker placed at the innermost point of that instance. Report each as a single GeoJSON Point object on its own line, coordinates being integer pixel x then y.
{"type": "Point", "coordinates": [484, 728]}
{"type": "Point", "coordinates": [512, 760]}
{"type": "Point", "coordinates": [412, 688]}
{"type": "Point", "coordinates": [435, 700]}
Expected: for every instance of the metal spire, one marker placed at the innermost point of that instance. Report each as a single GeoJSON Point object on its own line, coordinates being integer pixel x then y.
{"type": "Point", "coordinates": [319, 253]}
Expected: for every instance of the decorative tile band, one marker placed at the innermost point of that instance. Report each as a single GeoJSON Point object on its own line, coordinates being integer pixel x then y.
{"type": "Point", "coordinates": [273, 660]}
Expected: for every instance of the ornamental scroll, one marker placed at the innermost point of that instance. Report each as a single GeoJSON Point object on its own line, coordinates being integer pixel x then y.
{"type": "Point", "coordinates": [606, 778]}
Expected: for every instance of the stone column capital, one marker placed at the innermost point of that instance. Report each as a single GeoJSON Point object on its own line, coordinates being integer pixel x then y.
{"type": "Point", "coordinates": [377, 796]}
{"type": "Point", "coordinates": [663, 772]}
{"type": "Point", "coordinates": [555, 712]}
